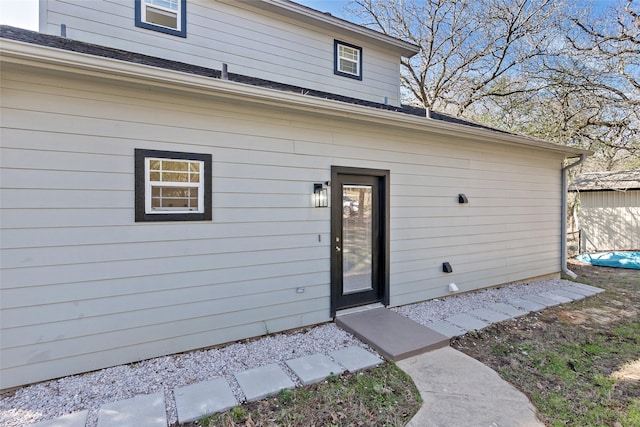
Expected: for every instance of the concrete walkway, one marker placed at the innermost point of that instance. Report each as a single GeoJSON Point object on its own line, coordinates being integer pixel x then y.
{"type": "Point", "coordinates": [457, 390]}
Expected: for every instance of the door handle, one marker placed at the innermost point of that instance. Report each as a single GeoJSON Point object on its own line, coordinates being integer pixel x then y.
{"type": "Point", "coordinates": [338, 249]}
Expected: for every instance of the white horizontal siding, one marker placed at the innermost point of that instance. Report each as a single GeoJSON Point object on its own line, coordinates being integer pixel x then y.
{"type": "Point", "coordinates": [84, 286]}
{"type": "Point", "coordinates": [609, 220]}
{"type": "Point", "coordinates": [41, 366]}
{"type": "Point", "coordinates": [251, 41]}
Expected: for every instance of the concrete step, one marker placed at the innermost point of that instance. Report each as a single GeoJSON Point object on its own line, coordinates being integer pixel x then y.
{"type": "Point", "coordinates": [394, 336]}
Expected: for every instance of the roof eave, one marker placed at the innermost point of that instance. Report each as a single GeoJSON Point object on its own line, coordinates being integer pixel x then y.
{"type": "Point", "coordinates": [49, 58]}
{"type": "Point", "coordinates": [324, 20]}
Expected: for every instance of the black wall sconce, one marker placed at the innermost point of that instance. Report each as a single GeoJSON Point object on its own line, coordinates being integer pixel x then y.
{"type": "Point", "coordinates": [462, 198]}
{"type": "Point", "coordinates": [320, 198]}
{"type": "Point", "coordinates": [446, 268]}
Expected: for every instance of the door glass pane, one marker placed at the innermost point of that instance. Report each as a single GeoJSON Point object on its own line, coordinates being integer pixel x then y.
{"type": "Point", "coordinates": [356, 238]}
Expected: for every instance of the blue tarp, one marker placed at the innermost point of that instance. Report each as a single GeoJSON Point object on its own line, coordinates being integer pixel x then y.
{"type": "Point", "coordinates": [612, 259]}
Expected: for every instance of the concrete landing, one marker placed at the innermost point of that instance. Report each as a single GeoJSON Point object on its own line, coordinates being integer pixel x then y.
{"type": "Point", "coordinates": [394, 336]}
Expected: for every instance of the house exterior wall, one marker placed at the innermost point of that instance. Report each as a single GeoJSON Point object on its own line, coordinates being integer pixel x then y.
{"type": "Point", "coordinates": [252, 42]}
{"type": "Point", "coordinates": [609, 220]}
{"type": "Point", "coordinates": [86, 287]}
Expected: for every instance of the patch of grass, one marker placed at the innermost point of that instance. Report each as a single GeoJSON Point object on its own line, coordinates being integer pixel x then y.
{"type": "Point", "coordinates": [205, 421]}
{"type": "Point", "coordinates": [238, 414]}
{"type": "Point", "coordinates": [382, 396]}
{"type": "Point", "coordinates": [285, 397]}
{"type": "Point", "coordinates": [563, 357]}
{"type": "Point", "coordinates": [632, 417]}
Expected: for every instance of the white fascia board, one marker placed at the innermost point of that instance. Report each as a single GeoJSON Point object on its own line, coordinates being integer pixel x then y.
{"type": "Point", "coordinates": [36, 56]}
{"type": "Point", "coordinates": [333, 24]}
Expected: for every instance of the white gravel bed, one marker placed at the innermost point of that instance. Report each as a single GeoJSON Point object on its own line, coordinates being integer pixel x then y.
{"type": "Point", "coordinates": [54, 398]}
{"type": "Point", "coordinates": [441, 308]}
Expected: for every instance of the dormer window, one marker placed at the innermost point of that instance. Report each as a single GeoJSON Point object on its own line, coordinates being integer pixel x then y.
{"type": "Point", "coordinates": [166, 16]}
{"type": "Point", "coordinates": [348, 60]}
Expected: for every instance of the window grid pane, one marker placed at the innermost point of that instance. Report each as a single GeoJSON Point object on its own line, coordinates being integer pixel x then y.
{"type": "Point", "coordinates": [167, 4]}
{"type": "Point", "coordinates": [348, 60]}
{"type": "Point", "coordinates": [164, 13]}
{"type": "Point", "coordinates": [178, 198]}
{"type": "Point", "coordinates": [174, 171]}
{"type": "Point", "coordinates": [348, 66]}
{"type": "Point", "coordinates": [348, 53]}
{"type": "Point", "coordinates": [175, 185]}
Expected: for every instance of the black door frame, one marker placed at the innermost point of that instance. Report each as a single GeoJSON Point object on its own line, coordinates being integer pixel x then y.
{"type": "Point", "coordinates": [383, 178]}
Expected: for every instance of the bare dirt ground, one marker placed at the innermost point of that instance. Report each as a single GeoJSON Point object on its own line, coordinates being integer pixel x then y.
{"type": "Point", "coordinates": [579, 363]}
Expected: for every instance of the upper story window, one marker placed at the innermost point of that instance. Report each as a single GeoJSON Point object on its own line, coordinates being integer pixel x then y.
{"type": "Point", "coordinates": [172, 186]}
{"type": "Point", "coordinates": [166, 16]}
{"type": "Point", "coordinates": [347, 60]}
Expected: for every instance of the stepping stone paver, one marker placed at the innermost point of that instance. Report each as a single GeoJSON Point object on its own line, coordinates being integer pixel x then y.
{"type": "Point", "coordinates": [264, 381]}
{"type": "Point", "coordinates": [198, 400]}
{"type": "Point", "coordinates": [75, 419]}
{"type": "Point", "coordinates": [509, 309]}
{"type": "Point", "coordinates": [447, 329]}
{"type": "Point", "coordinates": [545, 302]}
{"type": "Point", "coordinates": [355, 358]}
{"type": "Point", "coordinates": [585, 290]}
{"type": "Point", "coordinates": [527, 304]}
{"type": "Point", "coordinates": [466, 322]}
{"type": "Point", "coordinates": [489, 315]}
{"type": "Point", "coordinates": [559, 298]}
{"type": "Point", "coordinates": [568, 294]}
{"type": "Point", "coordinates": [587, 287]}
{"type": "Point", "coordinates": [313, 368]}
{"type": "Point", "coordinates": [140, 411]}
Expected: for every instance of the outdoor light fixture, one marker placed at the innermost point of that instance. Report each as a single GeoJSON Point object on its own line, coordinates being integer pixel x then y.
{"type": "Point", "coordinates": [446, 267]}
{"type": "Point", "coordinates": [462, 198]}
{"type": "Point", "coordinates": [320, 198]}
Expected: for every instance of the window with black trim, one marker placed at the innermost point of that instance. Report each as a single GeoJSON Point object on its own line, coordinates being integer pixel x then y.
{"type": "Point", "coordinates": [172, 186]}
{"type": "Point", "coordinates": [347, 60]}
{"type": "Point", "coordinates": [166, 16]}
